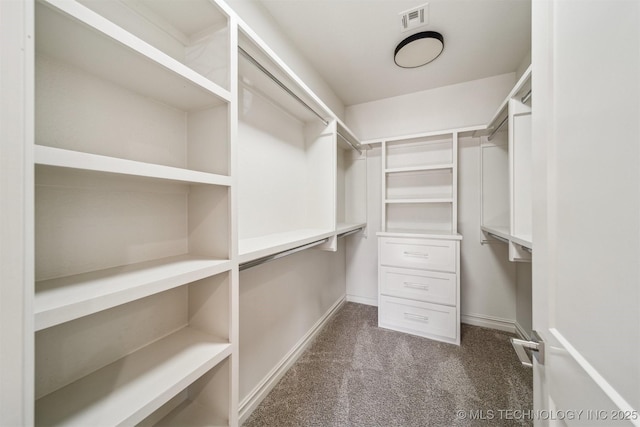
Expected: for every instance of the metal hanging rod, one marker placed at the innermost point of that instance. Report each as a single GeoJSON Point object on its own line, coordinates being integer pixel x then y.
{"type": "Point", "coordinates": [279, 83]}
{"type": "Point", "coordinates": [490, 137]}
{"type": "Point", "coordinates": [350, 143]}
{"type": "Point", "coordinates": [526, 249]}
{"type": "Point", "coordinates": [347, 233]}
{"type": "Point", "coordinates": [526, 98]}
{"type": "Point", "coordinates": [282, 254]}
{"type": "Point", "coordinates": [502, 239]}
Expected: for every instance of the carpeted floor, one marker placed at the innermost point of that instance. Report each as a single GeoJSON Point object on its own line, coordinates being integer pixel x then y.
{"type": "Point", "coordinates": [356, 374]}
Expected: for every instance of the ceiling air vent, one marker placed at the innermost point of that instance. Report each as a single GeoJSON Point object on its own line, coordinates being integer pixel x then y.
{"type": "Point", "coordinates": [414, 18]}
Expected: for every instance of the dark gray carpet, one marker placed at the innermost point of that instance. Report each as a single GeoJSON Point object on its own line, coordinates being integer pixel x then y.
{"type": "Point", "coordinates": [356, 374]}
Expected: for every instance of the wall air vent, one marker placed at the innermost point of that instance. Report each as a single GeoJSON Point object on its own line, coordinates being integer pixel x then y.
{"type": "Point", "coordinates": [413, 18]}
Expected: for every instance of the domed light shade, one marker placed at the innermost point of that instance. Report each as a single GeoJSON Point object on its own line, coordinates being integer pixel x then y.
{"type": "Point", "coordinates": [419, 49]}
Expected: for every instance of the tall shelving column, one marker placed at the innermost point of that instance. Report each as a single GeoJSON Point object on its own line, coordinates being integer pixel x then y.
{"type": "Point", "coordinates": [419, 247]}
{"type": "Point", "coordinates": [135, 125]}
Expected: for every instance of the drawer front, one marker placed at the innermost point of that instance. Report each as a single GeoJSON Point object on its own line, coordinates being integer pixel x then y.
{"type": "Point", "coordinates": [419, 318]}
{"type": "Point", "coordinates": [428, 286]}
{"type": "Point", "coordinates": [419, 253]}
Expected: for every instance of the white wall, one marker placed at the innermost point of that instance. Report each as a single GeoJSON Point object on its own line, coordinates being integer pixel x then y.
{"type": "Point", "coordinates": [260, 21]}
{"type": "Point", "coordinates": [280, 302]}
{"type": "Point", "coordinates": [464, 104]}
{"type": "Point", "coordinates": [488, 291]}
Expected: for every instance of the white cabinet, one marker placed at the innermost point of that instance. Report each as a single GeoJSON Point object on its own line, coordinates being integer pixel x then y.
{"type": "Point", "coordinates": [419, 285]}
{"type": "Point", "coordinates": [419, 247]}
{"type": "Point", "coordinates": [135, 281]}
{"type": "Point", "coordinates": [506, 174]}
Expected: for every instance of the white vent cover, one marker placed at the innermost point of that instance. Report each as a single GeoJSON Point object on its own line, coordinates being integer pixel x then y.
{"type": "Point", "coordinates": [413, 18]}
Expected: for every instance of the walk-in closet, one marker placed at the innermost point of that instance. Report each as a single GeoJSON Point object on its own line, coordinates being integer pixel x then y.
{"type": "Point", "coordinates": [320, 212]}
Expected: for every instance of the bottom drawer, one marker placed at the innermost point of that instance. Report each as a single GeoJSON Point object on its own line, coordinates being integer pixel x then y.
{"type": "Point", "coordinates": [419, 318]}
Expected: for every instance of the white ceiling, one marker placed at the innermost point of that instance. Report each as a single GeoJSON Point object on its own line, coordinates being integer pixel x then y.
{"type": "Point", "coordinates": [351, 42]}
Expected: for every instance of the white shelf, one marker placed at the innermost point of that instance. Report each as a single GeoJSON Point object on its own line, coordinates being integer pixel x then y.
{"type": "Point", "coordinates": [424, 234]}
{"type": "Point", "coordinates": [503, 232]}
{"type": "Point", "coordinates": [259, 247]}
{"type": "Point", "coordinates": [130, 389]}
{"type": "Point", "coordinates": [67, 298]}
{"type": "Point", "coordinates": [500, 231]}
{"type": "Point", "coordinates": [92, 43]}
{"type": "Point", "coordinates": [420, 168]}
{"type": "Point", "coordinates": [526, 241]}
{"type": "Point", "coordinates": [59, 157]}
{"type": "Point", "coordinates": [430, 200]}
{"type": "Point", "coordinates": [190, 413]}
{"type": "Point", "coordinates": [343, 227]}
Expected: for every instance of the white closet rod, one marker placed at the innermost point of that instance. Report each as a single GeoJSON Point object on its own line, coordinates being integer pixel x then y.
{"type": "Point", "coordinates": [278, 255]}
{"type": "Point", "coordinates": [279, 83]}
{"type": "Point", "coordinates": [527, 97]}
{"type": "Point", "coordinates": [349, 142]}
{"type": "Point", "coordinates": [490, 137]}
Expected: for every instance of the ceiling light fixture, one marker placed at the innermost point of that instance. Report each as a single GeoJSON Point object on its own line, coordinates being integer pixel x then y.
{"type": "Point", "coordinates": [419, 49]}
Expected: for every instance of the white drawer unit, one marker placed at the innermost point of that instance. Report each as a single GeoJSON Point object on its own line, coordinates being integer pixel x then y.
{"type": "Point", "coordinates": [428, 286]}
{"type": "Point", "coordinates": [427, 254]}
{"type": "Point", "coordinates": [419, 284]}
{"type": "Point", "coordinates": [418, 318]}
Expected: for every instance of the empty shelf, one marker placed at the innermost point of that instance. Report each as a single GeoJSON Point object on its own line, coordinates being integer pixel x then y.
{"type": "Point", "coordinates": [74, 34]}
{"type": "Point", "coordinates": [343, 227]}
{"type": "Point", "coordinates": [420, 168]}
{"type": "Point", "coordinates": [130, 389]}
{"type": "Point", "coordinates": [500, 231]}
{"type": "Point", "coordinates": [429, 200]}
{"type": "Point", "coordinates": [67, 298]}
{"type": "Point", "coordinates": [259, 247]}
{"type": "Point", "coordinates": [51, 156]}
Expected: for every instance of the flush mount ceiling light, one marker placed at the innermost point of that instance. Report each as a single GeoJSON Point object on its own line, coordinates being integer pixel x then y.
{"type": "Point", "coordinates": [418, 49]}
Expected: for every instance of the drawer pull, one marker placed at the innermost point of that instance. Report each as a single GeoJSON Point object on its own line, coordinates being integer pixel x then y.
{"type": "Point", "coordinates": [416, 286]}
{"type": "Point", "coordinates": [416, 317]}
{"type": "Point", "coordinates": [417, 254]}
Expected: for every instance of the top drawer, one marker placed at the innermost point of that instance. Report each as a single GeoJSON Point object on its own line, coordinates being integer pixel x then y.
{"type": "Point", "coordinates": [424, 254]}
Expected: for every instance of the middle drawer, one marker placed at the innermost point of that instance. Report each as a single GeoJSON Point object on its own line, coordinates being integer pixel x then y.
{"type": "Point", "coordinates": [421, 285]}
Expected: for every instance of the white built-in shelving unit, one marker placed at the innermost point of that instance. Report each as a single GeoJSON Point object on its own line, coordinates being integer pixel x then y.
{"type": "Point", "coordinates": [163, 161]}
{"type": "Point", "coordinates": [135, 279]}
{"type": "Point", "coordinates": [419, 244]}
{"type": "Point", "coordinates": [420, 183]}
{"type": "Point", "coordinates": [506, 173]}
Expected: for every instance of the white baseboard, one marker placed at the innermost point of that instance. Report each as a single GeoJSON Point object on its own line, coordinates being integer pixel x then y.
{"type": "Point", "coordinates": [362, 300]}
{"type": "Point", "coordinates": [521, 332]}
{"type": "Point", "coordinates": [253, 399]}
{"type": "Point", "coordinates": [490, 322]}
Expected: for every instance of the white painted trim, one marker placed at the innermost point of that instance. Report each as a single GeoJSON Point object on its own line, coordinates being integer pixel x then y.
{"type": "Point", "coordinates": [362, 300]}
{"type": "Point", "coordinates": [522, 333]}
{"type": "Point", "coordinates": [491, 322]}
{"type": "Point", "coordinates": [600, 382]}
{"type": "Point", "coordinates": [253, 399]}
